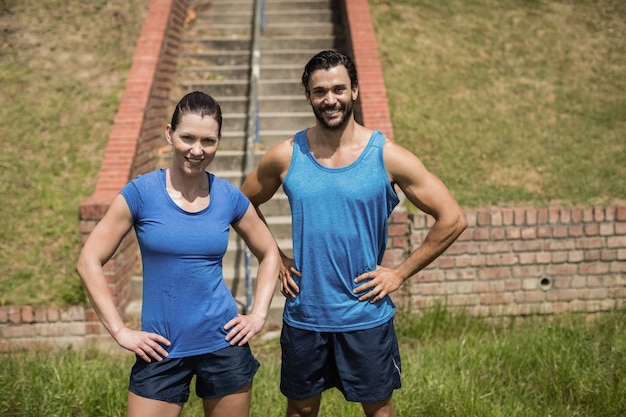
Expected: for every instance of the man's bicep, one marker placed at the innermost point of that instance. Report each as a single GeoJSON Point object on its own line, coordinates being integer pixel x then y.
{"type": "Point", "coordinates": [261, 184]}
{"type": "Point", "coordinates": [421, 187]}
{"type": "Point", "coordinates": [265, 179]}
{"type": "Point", "coordinates": [429, 194]}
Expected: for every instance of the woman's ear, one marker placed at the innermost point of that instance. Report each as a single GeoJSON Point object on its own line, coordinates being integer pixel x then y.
{"type": "Point", "coordinates": [168, 133]}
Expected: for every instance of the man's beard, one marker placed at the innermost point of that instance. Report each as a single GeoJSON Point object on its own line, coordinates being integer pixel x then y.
{"type": "Point", "coordinates": [347, 114]}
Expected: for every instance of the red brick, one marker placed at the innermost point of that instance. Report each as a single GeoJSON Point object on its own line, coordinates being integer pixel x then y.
{"type": "Point", "coordinates": [27, 314]}
{"type": "Point", "coordinates": [591, 229]}
{"type": "Point", "coordinates": [53, 314]}
{"type": "Point", "coordinates": [513, 233]}
{"type": "Point", "coordinates": [528, 246]}
{"type": "Point", "coordinates": [554, 215]}
{"type": "Point", "coordinates": [598, 214]}
{"type": "Point", "coordinates": [618, 267]}
{"type": "Point", "coordinates": [14, 314]}
{"type": "Point", "coordinates": [575, 256]}
{"type": "Point", "coordinates": [520, 216]}
{"type": "Point", "coordinates": [607, 229]}
{"type": "Point", "coordinates": [500, 298]}
{"type": "Point", "coordinates": [575, 230]}
{"type": "Point", "coordinates": [616, 242]}
{"type": "Point", "coordinates": [560, 244]}
{"type": "Point", "coordinates": [620, 228]}
{"type": "Point", "coordinates": [529, 233]}
{"type": "Point", "coordinates": [471, 218]}
{"type": "Point", "coordinates": [594, 268]}
{"type": "Point", "coordinates": [544, 232]}
{"type": "Point", "coordinates": [527, 271]}
{"type": "Point", "coordinates": [559, 257]}
{"type": "Point", "coordinates": [564, 269]}
{"type": "Point", "coordinates": [560, 231]}
{"type": "Point", "coordinates": [494, 273]}
{"type": "Point", "coordinates": [542, 216]}
{"type": "Point", "coordinates": [562, 295]}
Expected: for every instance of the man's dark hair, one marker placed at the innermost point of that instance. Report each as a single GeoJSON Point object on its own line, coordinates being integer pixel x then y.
{"type": "Point", "coordinates": [326, 60]}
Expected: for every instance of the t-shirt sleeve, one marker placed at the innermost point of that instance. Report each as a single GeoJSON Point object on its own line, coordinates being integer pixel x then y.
{"type": "Point", "coordinates": [240, 203]}
{"type": "Point", "coordinates": [131, 194]}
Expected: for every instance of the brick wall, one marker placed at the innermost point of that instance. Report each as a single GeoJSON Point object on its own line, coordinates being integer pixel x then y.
{"type": "Point", "coordinates": [373, 104]}
{"type": "Point", "coordinates": [26, 326]}
{"type": "Point", "coordinates": [520, 261]}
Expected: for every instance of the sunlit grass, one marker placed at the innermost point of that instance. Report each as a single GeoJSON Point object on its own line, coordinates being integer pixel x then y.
{"type": "Point", "coordinates": [62, 70]}
{"type": "Point", "coordinates": [510, 102]}
{"type": "Point", "coordinates": [452, 365]}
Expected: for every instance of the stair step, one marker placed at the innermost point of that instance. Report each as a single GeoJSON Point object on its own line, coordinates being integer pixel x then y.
{"type": "Point", "coordinates": [295, 15]}
{"type": "Point", "coordinates": [309, 4]}
{"type": "Point", "coordinates": [298, 28]}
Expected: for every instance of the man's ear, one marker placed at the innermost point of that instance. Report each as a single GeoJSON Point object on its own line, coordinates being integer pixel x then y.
{"type": "Point", "coordinates": [355, 93]}
{"type": "Point", "coordinates": [307, 94]}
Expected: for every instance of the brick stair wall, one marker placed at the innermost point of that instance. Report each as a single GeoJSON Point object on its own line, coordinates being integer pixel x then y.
{"type": "Point", "coordinates": [510, 261]}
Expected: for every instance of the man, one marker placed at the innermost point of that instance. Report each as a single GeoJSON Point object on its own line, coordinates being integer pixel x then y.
{"type": "Point", "coordinates": [340, 178]}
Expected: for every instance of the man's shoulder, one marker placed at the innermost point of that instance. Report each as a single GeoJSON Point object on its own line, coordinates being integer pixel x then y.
{"type": "Point", "coordinates": [278, 157]}
{"type": "Point", "coordinates": [282, 149]}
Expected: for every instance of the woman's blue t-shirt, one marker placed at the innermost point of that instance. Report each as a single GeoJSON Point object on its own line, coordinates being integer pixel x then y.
{"type": "Point", "coordinates": [185, 298]}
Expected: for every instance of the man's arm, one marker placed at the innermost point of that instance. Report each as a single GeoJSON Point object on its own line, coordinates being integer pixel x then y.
{"type": "Point", "coordinates": [260, 185]}
{"type": "Point", "coordinates": [429, 194]}
{"type": "Point", "coordinates": [265, 179]}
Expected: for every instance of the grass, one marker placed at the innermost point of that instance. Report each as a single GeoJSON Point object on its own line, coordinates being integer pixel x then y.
{"type": "Point", "coordinates": [452, 365]}
{"type": "Point", "coordinates": [63, 65]}
{"type": "Point", "coordinates": [509, 102]}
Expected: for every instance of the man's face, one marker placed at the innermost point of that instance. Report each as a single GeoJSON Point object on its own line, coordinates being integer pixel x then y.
{"type": "Point", "coordinates": [331, 97]}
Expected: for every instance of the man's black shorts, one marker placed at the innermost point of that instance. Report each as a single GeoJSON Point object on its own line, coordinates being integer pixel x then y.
{"type": "Point", "coordinates": [364, 365]}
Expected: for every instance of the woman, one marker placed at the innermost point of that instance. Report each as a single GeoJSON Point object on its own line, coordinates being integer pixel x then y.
{"type": "Point", "coordinates": [190, 326]}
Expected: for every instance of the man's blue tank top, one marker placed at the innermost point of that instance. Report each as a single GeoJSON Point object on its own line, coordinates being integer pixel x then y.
{"type": "Point", "coordinates": [339, 220]}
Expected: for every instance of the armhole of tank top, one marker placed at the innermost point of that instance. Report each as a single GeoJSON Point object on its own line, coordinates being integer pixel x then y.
{"type": "Point", "coordinates": [381, 144]}
{"type": "Point", "coordinates": [296, 141]}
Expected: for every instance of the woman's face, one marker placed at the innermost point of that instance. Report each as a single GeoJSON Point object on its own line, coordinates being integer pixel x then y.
{"type": "Point", "coordinates": [194, 142]}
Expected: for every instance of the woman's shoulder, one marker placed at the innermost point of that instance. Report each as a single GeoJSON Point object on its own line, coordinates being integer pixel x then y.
{"type": "Point", "coordinates": [156, 175]}
{"type": "Point", "coordinates": [220, 184]}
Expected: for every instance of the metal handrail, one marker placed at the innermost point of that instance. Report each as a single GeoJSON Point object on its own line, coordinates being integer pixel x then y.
{"type": "Point", "coordinates": [252, 133]}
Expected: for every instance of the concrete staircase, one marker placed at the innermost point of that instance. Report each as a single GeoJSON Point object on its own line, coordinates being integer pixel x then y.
{"type": "Point", "coordinates": [216, 59]}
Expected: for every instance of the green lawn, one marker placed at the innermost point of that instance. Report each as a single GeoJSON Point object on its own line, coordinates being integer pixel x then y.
{"type": "Point", "coordinates": [452, 366]}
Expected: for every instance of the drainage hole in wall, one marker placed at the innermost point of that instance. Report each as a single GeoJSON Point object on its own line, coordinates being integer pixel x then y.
{"type": "Point", "coordinates": [546, 283]}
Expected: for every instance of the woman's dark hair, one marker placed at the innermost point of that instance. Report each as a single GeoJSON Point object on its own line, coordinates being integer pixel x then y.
{"type": "Point", "coordinates": [326, 60]}
{"type": "Point", "coordinates": [199, 103]}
